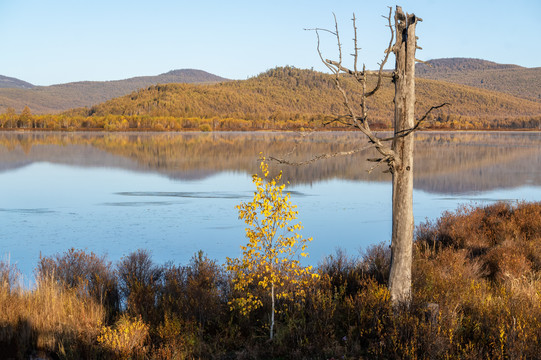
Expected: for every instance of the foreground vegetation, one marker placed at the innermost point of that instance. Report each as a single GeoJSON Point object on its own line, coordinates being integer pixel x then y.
{"type": "Point", "coordinates": [477, 288]}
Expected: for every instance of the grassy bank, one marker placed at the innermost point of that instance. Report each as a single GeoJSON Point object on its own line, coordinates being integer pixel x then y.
{"type": "Point", "coordinates": [476, 284]}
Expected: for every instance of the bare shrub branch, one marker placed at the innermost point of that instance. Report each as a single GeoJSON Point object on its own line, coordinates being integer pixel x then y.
{"type": "Point", "coordinates": [319, 157]}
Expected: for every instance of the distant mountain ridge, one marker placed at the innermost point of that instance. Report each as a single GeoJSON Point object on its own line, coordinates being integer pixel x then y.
{"type": "Point", "coordinates": [9, 82]}
{"type": "Point", "coordinates": [461, 64]}
{"type": "Point", "coordinates": [506, 78]}
{"type": "Point", "coordinates": [61, 97]}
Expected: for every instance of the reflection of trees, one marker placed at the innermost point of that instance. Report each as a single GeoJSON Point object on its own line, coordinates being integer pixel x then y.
{"type": "Point", "coordinates": [445, 162]}
{"type": "Point", "coordinates": [465, 162]}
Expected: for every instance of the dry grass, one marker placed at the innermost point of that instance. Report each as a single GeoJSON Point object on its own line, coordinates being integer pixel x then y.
{"type": "Point", "coordinates": [47, 319]}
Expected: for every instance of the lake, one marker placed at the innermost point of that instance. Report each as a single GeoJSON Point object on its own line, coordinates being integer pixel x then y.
{"type": "Point", "coordinates": [175, 193]}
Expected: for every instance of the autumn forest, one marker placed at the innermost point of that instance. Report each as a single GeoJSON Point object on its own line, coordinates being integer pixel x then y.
{"type": "Point", "coordinates": [287, 98]}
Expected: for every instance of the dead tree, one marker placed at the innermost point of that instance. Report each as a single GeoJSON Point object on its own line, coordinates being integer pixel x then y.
{"type": "Point", "coordinates": [396, 152]}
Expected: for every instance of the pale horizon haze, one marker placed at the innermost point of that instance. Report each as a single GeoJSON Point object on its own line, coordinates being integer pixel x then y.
{"type": "Point", "coordinates": [50, 42]}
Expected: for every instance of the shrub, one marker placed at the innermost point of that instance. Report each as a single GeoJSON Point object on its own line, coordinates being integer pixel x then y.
{"type": "Point", "coordinates": [139, 282]}
{"type": "Point", "coordinates": [127, 338]}
{"type": "Point", "coordinates": [89, 274]}
{"type": "Point", "coordinates": [197, 292]}
{"type": "Point", "coordinates": [376, 262]}
{"type": "Point", "coordinates": [481, 266]}
{"type": "Point", "coordinates": [505, 262]}
{"type": "Point", "coordinates": [176, 339]}
{"type": "Point", "coordinates": [205, 128]}
{"type": "Point", "coordinates": [342, 271]}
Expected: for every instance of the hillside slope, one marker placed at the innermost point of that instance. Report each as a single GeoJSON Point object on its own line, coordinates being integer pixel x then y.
{"type": "Point", "coordinates": [288, 93]}
{"type": "Point", "coordinates": [57, 98]}
{"type": "Point", "coordinates": [9, 82]}
{"type": "Point", "coordinates": [511, 79]}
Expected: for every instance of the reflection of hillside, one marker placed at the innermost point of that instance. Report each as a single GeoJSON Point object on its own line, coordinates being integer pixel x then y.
{"type": "Point", "coordinates": [465, 162]}
{"type": "Point", "coordinates": [445, 162]}
{"type": "Point", "coordinates": [185, 153]}
{"type": "Point", "coordinates": [68, 154]}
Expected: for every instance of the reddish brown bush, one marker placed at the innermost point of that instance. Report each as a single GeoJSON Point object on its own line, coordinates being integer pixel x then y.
{"type": "Point", "coordinates": [507, 262]}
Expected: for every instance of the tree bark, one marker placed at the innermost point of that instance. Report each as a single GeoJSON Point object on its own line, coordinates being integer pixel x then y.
{"type": "Point", "coordinates": [402, 169]}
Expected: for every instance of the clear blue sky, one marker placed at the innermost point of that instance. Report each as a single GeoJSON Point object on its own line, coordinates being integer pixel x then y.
{"type": "Point", "coordinates": [55, 41]}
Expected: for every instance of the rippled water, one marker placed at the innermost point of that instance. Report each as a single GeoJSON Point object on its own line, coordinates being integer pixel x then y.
{"type": "Point", "coordinates": [175, 194]}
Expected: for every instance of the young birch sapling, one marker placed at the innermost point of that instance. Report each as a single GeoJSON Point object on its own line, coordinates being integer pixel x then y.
{"type": "Point", "coordinates": [270, 260]}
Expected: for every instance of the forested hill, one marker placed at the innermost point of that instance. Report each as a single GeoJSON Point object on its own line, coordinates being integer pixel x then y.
{"type": "Point", "coordinates": [445, 65]}
{"type": "Point", "coordinates": [290, 93]}
{"type": "Point", "coordinates": [511, 79]}
{"type": "Point", "coordinates": [9, 82]}
{"type": "Point", "coordinates": [57, 98]}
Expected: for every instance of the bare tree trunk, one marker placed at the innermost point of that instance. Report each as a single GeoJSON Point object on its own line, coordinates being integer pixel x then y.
{"type": "Point", "coordinates": [402, 231]}
{"type": "Point", "coordinates": [399, 156]}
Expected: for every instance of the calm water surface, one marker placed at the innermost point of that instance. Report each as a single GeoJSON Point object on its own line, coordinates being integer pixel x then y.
{"type": "Point", "coordinates": [175, 194]}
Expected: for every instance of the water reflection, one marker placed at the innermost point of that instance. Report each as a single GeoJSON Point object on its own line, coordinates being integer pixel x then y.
{"type": "Point", "coordinates": [194, 195]}
{"type": "Point", "coordinates": [140, 203]}
{"type": "Point", "coordinates": [28, 211]}
{"type": "Point", "coordinates": [446, 163]}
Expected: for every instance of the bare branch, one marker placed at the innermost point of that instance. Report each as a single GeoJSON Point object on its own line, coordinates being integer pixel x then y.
{"type": "Point", "coordinates": [340, 119]}
{"type": "Point", "coordinates": [333, 70]}
{"type": "Point", "coordinates": [319, 157]}
{"type": "Point", "coordinates": [302, 134]}
{"type": "Point", "coordinates": [363, 98]}
{"type": "Point", "coordinates": [356, 49]}
{"type": "Point", "coordinates": [317, 30]}
{"type": "Point", "coordinates": [379, 162]}
{"type": "Point", "coordinates": [338, 39]}
{"type": "Point", "coordinates": [423, 118]}
{"type": "Point", "coordinates": [364, 128]}
{"type": "Point", "coordinates": [354, 120]}
{"type": "Point", "coordinates": [423, 62]}
{"type": "Point", "coordinates": [387, 52]}
{"type": "Point", "coordinates": [321, 29]}
{"type": "Point", "coordinates": [406, 132]}
{"type": "Point", "coordinates": [352, 72]}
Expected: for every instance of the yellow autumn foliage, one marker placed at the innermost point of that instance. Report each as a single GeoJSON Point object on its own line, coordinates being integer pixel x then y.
{"type": "Point", "coordinates": [127, 338]}
{"type": "Point", "coordinates": [270, 259]}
